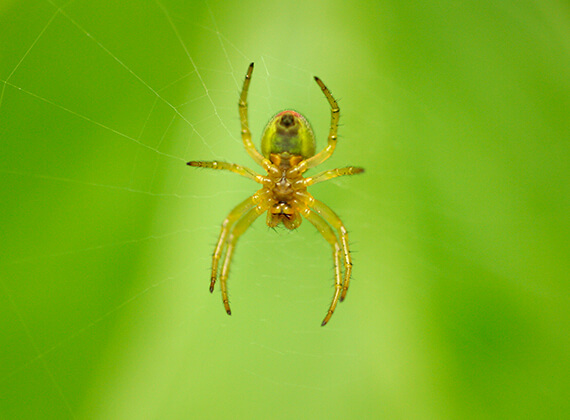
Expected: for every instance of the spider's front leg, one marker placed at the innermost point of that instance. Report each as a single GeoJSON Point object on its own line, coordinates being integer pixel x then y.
{"type": "Point", "coordinates": [325, 230]}
{"type": "Point", "coordinates": [227, 225]}
{"type": "Point", "coordinates": [234, 235]}
{"type": "Point", "coordinates": [332, 219]}
{"type": "Point", "coordinates": [235, 224]}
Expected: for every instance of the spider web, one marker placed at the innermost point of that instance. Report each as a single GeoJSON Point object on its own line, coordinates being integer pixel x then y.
{"type": "Point", "coordinates": [107, 234]}
{"type": "Point", "coordinates": [120, 226]}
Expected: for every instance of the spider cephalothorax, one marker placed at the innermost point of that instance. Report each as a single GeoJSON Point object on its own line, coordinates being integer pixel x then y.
{"type": "Point", "coordinates": [287, 152]}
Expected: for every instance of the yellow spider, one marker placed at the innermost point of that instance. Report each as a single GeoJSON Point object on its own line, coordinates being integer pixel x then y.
{"type": "Point", "coordinates": [288, 151]}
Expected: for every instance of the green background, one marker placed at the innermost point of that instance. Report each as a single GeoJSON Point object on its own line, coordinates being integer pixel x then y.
{"type": "Point", "coordinates": [459, 302]}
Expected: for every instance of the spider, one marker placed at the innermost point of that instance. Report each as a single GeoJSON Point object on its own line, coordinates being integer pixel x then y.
{"type": "Point", "coordinates": [287, 152]}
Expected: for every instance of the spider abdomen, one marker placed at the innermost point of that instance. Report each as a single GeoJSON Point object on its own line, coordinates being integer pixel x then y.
{"type": "Point", "coordinates": [288, 132]}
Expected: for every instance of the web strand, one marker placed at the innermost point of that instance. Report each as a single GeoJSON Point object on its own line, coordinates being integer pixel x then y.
{"type": "Point", "coordinates": [60, 17]}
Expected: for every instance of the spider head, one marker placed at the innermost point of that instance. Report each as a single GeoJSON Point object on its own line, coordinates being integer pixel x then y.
{"type": "Point", "coordinates": [283, 213]}
{"type": "Point", "coordinates": [288, 131]}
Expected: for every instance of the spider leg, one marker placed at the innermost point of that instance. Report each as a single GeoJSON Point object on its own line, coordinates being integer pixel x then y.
{"type": "Point", "coordinates": [325, 230]}
{"type": "Point", "coordinates": [238, 211]}
{"type": "Point", "coordinates": [332, 138]}
{"type": "Point", "coordinates": [332, 219]}
{"type": "Point", "coordinates": [333, 173]}
{"type": "Point", "coordinates": [241, 226]}
{"type": "Point", "coordinates": [245, 132]}
{"type": "Point", "coordinates": [232, 167]}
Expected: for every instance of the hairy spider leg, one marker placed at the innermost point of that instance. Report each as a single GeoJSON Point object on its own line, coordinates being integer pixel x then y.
{"type": "Point", "coordinates": [238, 211]}
{"type": "Point", "coordinates": [238, 230]}
{"type": "Point", "coordinates": [331, 141]}
{"type": "Point", "coordinates": [245, 132]}
{"type": "Point", "coordinates": [325, 230]}
{"type": "Point", "coordinates": [333, 173]}
{"type": "Point", "coordinates": [332, 219]}
{"type": "Point", "coordinates": [232, 167]}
